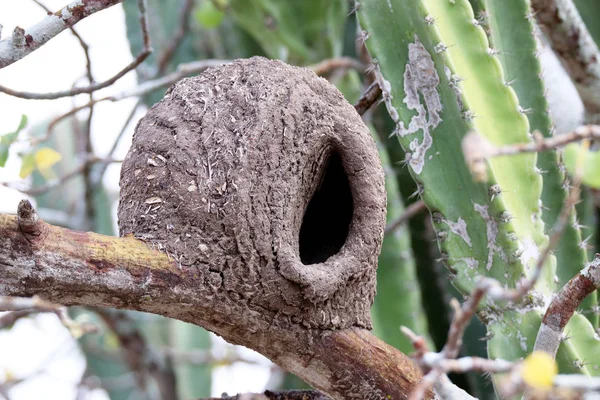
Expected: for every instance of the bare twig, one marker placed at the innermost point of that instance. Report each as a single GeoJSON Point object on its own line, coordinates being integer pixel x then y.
{"type": "Point", "coordinates": [203, 357]}
{"type": "Point", "coordinates": [564, 304]}
{"type": "Point", "coordinates": [572, 42]}
{"type": "Point", "coordinates": [493, 287]}
{"type": "Point", "coordinates": [578, 382]}
{"type": "Point", "coordinates": [140, 358]}
{"type": "Point", "coordinates": [411, 210]}
{"type": "Point", "coordinates": [97, 179]}
{"type": "Point", "coordinates": [437, 365]}
{"type": "Point", "coordinates": [368, 98]}
{"type": "Point", "coordinates": [171, 48]}
{"type": "Point", "coordinates": [462, 316]}
{"type": "Point", "coordinates": [10, 318]}
{"type": "Point", "coordinates": [84, 46]}
{"type": "Point", "coordinates": [36, 304]}
{"type": "Point", "coordinates": [64, 178]}
{"type": "Point", "coordinates": [93, 86]}
{"type": "Point", "coordinates": [484, 149]}
{"type": "Point", "coordinates": [331, 64]}
{"type": "Point", "coordinates": [24, 41]}
{"type": "Point", "coordinates": [182, 71]}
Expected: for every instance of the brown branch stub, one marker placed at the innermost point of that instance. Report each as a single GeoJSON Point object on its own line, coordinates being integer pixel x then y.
{"type": "Point", "coordinates": [24, 41]}
{"type": "Point", "coordinates": [29, 221]}
{"type": "Point", "coordinates": [368, 98]}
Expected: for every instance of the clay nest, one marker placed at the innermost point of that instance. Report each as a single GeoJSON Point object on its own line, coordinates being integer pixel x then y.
{"type": "Point", "coordinates": [265, 186]}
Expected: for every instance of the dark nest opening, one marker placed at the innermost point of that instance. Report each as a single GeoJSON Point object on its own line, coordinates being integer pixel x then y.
{"type": "Point", "coordinates": [328, 215]}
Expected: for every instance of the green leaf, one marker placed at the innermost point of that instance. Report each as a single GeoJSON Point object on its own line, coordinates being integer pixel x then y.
{"type": "Point", "coordinates": [8, 139]}
{"type": "Point", "coordinates": [28, 165]}
{"type": "Point", "coordinates": [209, 16]}
{"type": "Point", "coordinates": [576, 156]}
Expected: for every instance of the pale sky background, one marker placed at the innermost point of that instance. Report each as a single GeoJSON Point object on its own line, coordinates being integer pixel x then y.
{"type": "Point", "coordinates": [41, 347]}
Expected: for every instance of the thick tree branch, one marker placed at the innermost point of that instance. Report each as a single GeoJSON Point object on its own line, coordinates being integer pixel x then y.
{"type": "Point", "coordinates": [572, 42]}
{"type": "Point", "coordinates": [24, 41]}
{"type": "Point", "coordinates": [281, 395]}
{"type": "Point", "coordinates": [77, 268]}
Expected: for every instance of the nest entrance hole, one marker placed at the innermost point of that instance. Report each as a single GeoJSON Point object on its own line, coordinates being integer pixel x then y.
{"type": "Point", "coordinates": [327, 218]}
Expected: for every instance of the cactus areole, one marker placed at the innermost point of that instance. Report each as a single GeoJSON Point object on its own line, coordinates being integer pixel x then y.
{"type": "Point", "coordinates": [263, 183]}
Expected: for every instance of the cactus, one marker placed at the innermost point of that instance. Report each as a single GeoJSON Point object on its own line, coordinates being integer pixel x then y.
{"type": "Point", "coordinates": [510, 26]}
{"type": "Point", "coordinates": [396, 275]}
{"type": "Point", "coordinates": [299, 32]}
{"type": "Point", "coordinates": [440, 79]}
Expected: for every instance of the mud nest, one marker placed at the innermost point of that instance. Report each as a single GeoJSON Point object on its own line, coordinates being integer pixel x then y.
{"type": "Point", "coordinates": [263, 184]}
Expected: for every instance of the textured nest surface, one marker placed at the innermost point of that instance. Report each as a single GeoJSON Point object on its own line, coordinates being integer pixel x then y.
{"type": "Point", "coordinates": [264, 184]}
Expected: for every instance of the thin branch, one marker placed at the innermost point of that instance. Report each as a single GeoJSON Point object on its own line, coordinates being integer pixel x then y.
{"type": "Point", "coordinates": [24, 41]}
{"type": "Point", "coordinates": [140, 358]}
{"type": "Point", "coordinates": [99, 175]}
{"type": "Point", "coordinates": [494, 289]}
{"type": "Point", "coordinates": [203, 357]}
{"type": "Point", "coordinates": [571, 41]}
{"type": "Point", "coordinates": [368, 98]}
{"type": "Point", "coordinates": [171, 48]}
{"type": "Point", "coordinates": [564, 304]}
{"type": "Point", "coordinates": [36, 191]}
{"type": "Point", "coordinates": [412, 210]}
{"type": "Point", "coordinates": [578, 382]}
{"type": "Point", "coordinates": [10, 318]}
{"type": "Point", "coordinates": [437, 365]}
{"type": "Point", "coordinates": [331, 64]}
{"type": "Point", "coordinates": [482, 149]}
{"type": "Point", "coordinates": [462, 317]}
{"type": "Point", "coordinates": [84, 46]}
{"type": "Point", "coordinates": [94, 86]}
{"type": "Point", "coordinates": [36, 304]}
{"type": "Point", "coordinates": [182, 71]}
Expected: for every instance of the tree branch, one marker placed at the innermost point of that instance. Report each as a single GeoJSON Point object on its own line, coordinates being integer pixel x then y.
{"type": "Point", "coordinates": [564, 304]}
{"type": "Point", "coordinates": [25, 41]}
{"type": "Point", "coordinates": [280, 395]}
{"type": "Point", "coordinates": [574, 45]}
{"type": "Point", "coordinates": [93, 86]}
{"type": "Point", "coordinates": [77, 268]}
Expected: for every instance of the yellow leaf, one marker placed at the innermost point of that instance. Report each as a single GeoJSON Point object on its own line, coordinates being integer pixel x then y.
{"type": "Point", "coordinates": [46, 158]}
{"type": "Point", "coordinates": [539, 370]}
